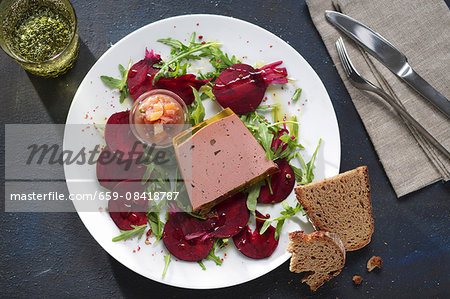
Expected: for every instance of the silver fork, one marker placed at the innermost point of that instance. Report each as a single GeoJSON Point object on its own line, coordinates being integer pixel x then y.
{"type": "Point", "coordinates": [358, 81]}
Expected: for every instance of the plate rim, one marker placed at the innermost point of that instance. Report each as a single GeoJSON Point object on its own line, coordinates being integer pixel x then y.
{"type": "Point", "coordinates": [82, 215]}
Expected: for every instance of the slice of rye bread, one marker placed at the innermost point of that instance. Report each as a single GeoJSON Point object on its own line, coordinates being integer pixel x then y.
{"type": "Point", "coordinates": [341, 204]}
{"type": "Point", "coordinates": [320, 254]}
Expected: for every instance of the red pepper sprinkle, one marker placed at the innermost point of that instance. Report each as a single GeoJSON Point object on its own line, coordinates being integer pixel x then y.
{"type": "Point", "coordinates": [289, 102]}
{"type": "Point", "coordinates": [197, 24]}
{"type": "Point", "coordinates": [200, 36]}
{"type": "Point", "coordinates": [134, 251]}
{"type": "Point", "coordinates": [139, 248]}
{"type": "Point", "coordinates": [100, 209]}
{"type": "Point", "coordinates": [203, 42]}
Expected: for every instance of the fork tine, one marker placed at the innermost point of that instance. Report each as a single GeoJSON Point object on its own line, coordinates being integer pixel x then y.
{"type": "Point", "coordinates": [343, 56]}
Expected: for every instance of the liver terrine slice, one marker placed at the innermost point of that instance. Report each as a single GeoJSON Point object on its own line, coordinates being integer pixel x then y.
{"type": "Point", "coordinates": [220, 159]}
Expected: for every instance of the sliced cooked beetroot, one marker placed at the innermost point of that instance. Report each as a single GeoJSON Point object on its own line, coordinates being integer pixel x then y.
{"type": "Point", "coordinates": [253, 244]}
{"type": "Point", "coordinates": [118, 134]}
{"type": "Point", "coordinates": [281, 183]}
{"type": "Point", "coordinates": [126, 212]}
{"type": "Point", "coordinates": [141, 74]}
{"type": "Point", "coordinates": [231, 216]}
{"type": "Point", "coordinates": [241, 87]}
{"type": "Point", "coordinates": [111, 170]}
{"type": "Point", "coordinates": [176, 229]}
{"type": "Point", "coordinates": [181, 86]}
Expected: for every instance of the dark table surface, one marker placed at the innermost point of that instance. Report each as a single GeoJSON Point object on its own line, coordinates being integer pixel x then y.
{"type": "Point", "coordinates": [53, 255]}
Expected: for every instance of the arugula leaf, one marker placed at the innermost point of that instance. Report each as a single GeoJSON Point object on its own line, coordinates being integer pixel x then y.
{"type": "Point", "coordinates": [288, 212]}
{"type": "Point", "coordinates": [268, 107]}
{"type": "Point", "coordinates": [306, 176]}
{"type": "Point", "coordinates": [185, 52]}
{"type": "Point", "coordinates": [127, 234]}
{"type": "Point", "coordinates": [253, 194]}
{"type": "Point", "coordinates": [298, 173]}
{"type": "Point", "coordinates": [264, 227]}
{"type": "Point", "coordinates": [265, 139]}
{"type": "Point", "coordinates": [171, 42]}
{"type": "Point", "coordinates": [111, 82]}
{"type": "Point", "coordinates": [167, 260]}
{"type": "Point", "coordinates": [212, 256]}
{"type": "Point", "coordinates": [212, 253]}
{"type": "Point", "coordinates": [310, 165]}
{"type": "Point", "coordinates": [201, 265]}
{"type": "Point", "coordinates": [120, 84]}
{"type": "Point", "coordinates": [278, 229]}
{"type": "Point", "coordinates": [148, 173]}
{"type": "Point", "coordinates": [207, 92]}
{"type": "Point", "coordinates": [197, 110]}
{"type": "Point", "coordinates": [156, 224]}
{"type": "Point", "coordinates": [296, 95]}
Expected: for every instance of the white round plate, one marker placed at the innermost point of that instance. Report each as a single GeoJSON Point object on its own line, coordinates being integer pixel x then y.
{"type": "Point", "coordinates": [94, 102]}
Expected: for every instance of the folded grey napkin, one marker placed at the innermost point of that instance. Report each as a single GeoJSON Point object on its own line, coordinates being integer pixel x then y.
{"type": "Point", "coordinates": [419, 29]}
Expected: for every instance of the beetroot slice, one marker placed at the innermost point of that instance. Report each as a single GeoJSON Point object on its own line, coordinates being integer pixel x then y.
{"type": "Point", "coordinates": [111, 170]}
{"type": "Point", "coordinates": [141, 74]}
{"type": "Point", "coordinates": [282, 184]}
{"type": "Point", "coordinates": [118, 134]}
{"type": "Point", "coordinates": [231, 216]}
{"type": "Point", "coordinates": [241, 87]}
{"type": "Point", "coordinates": [176, 229]}
{"type": "Point", "coordinates": [253, 244]}
{"type": "Point", "coordinates": [181, 86]}
{"type": "Point", "coordinates": [125, 212]}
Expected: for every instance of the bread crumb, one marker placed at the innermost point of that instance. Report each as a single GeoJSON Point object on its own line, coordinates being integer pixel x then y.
{"type": "Point", "coordinates": [357, 279]}
{"type": "Point", "coordinates": [374, 262]}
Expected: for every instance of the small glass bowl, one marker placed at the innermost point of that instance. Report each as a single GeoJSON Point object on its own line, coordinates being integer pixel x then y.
{"type": "Point", "coordinates": [173, 129]}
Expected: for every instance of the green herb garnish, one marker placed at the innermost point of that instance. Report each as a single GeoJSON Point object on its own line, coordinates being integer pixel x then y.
{"type": "Point", "coordinates": [182, 52]}
{"type": "Point", "coordinates": [296, 95]}
{"type": "Point", "coordinates": [253, 194]}
{"type": "Point", "coordinates": [120, 84]}
{"type": "Point", "coordinates": [196, 110]}
{"type": "Point", "coordinates": [127, 234]}
{"type": "Point", "coordinates": [288, 212]}
{"type": "Point", "coordinates": [202, 265]}
{"type": "Point", "coordinates": [156, 224]}
{"type": "Point", "coordinates": [167, 260]}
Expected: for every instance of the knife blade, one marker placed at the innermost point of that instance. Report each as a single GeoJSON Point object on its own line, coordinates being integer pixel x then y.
{"type": "Point", "coordinates": [388, 55]}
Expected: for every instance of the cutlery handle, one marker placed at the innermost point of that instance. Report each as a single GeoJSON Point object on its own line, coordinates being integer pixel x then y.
{"type": "Point", "coordinates": [411, 120]}
{"type": "Point", "coordinates": [426, 90]}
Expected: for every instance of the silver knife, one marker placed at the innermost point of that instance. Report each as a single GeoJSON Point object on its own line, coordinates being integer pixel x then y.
{"type": "Point", "coordinates": [387, 54]}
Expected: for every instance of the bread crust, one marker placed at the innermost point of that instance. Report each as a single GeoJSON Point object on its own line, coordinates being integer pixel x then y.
{"type": "Point", "coordinates": [320, 224]}
{"type": "Point", "coordinates": [297, 238]}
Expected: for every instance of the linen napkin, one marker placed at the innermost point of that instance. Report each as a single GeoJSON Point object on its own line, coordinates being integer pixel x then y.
{"type": "Point", "coordinates": [420, 30]}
